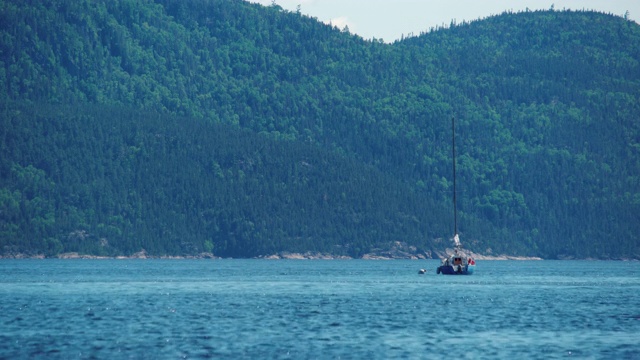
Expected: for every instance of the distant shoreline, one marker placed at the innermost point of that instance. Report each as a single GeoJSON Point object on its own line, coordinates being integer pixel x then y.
{"type": "Point", "coordinates": [292, 256]}
{"type": "Point", "coordinates": [392, 254]}
{"type": "Point", "coordinates": [400, 252]}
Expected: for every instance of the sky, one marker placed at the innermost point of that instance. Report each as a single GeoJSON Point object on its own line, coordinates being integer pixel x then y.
{"type": "Point", "coordinates": [391, 19]}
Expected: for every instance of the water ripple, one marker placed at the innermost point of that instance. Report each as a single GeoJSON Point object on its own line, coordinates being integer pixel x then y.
{"type": "Point", "coordinates": [316, 309]}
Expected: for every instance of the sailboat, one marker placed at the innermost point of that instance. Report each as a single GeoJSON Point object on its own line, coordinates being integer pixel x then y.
{"type": "Point", "coordinates": [456, 263]}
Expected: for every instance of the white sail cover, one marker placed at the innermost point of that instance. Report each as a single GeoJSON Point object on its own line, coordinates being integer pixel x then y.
{"type": "Point", "coordinates": [456, 240]}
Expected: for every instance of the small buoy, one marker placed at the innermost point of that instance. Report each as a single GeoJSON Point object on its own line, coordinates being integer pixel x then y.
{"type": "Point", "coordinates": [422, 271]}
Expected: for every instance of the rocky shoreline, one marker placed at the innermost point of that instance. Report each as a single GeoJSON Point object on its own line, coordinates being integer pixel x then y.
{"type": "Point", "coordinates": [394, 251]}
{"type": "Point", "coordinates": [385, 256]}
{"type": "Point", "coordinates": [279, 256]}
{"type": "Point", "coordinates": [477, 256]}
{"type": "Point", "coordinates": [139, 255]}
{"type": "Point", "coordinates": [298, 256]}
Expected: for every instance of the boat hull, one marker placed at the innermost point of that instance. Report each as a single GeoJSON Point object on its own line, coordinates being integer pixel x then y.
{"type": "Point", "coordinates": [456, 270]}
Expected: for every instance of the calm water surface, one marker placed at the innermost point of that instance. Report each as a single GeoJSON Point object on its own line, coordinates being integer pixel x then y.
{"type": "Point", "coordinates": [308, 309]}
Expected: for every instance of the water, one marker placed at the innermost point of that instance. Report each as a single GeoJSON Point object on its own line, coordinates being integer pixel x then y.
{"type": "Point", "coordinates": [308, 309]}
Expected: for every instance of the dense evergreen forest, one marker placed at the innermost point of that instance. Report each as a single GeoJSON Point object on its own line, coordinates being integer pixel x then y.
{"type": "Point", "coordinates": [184, 127]}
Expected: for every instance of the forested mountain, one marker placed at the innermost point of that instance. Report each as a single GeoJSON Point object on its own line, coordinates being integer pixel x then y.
{"type": "Point", "coordinates": [182, 127]}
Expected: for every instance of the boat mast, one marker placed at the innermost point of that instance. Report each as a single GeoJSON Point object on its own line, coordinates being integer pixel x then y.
{"type": "Point", "coordinates": [455, 212]}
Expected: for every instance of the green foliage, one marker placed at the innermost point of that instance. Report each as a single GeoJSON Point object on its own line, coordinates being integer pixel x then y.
{"type": "Point", "coordinates": [122, 180]}
{"type": "Point", "coordinates": [189, 126]}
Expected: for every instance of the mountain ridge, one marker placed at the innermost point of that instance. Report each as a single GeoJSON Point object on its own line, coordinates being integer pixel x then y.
{"type": "Point", "coordinates": [545, 104]}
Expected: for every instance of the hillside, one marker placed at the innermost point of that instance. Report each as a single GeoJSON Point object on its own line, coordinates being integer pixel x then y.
{"type": "Point", "coordinates": [227, 127]}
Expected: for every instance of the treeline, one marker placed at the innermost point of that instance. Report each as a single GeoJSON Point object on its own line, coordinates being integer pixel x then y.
{"type": "Point", "coordinates": [546, 106]}
{"type": "Point", "coordinates": [108, 181]}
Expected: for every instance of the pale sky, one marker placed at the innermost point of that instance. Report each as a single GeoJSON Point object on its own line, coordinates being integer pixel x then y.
{"type": "Point", "coordinates": [390, 19]}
